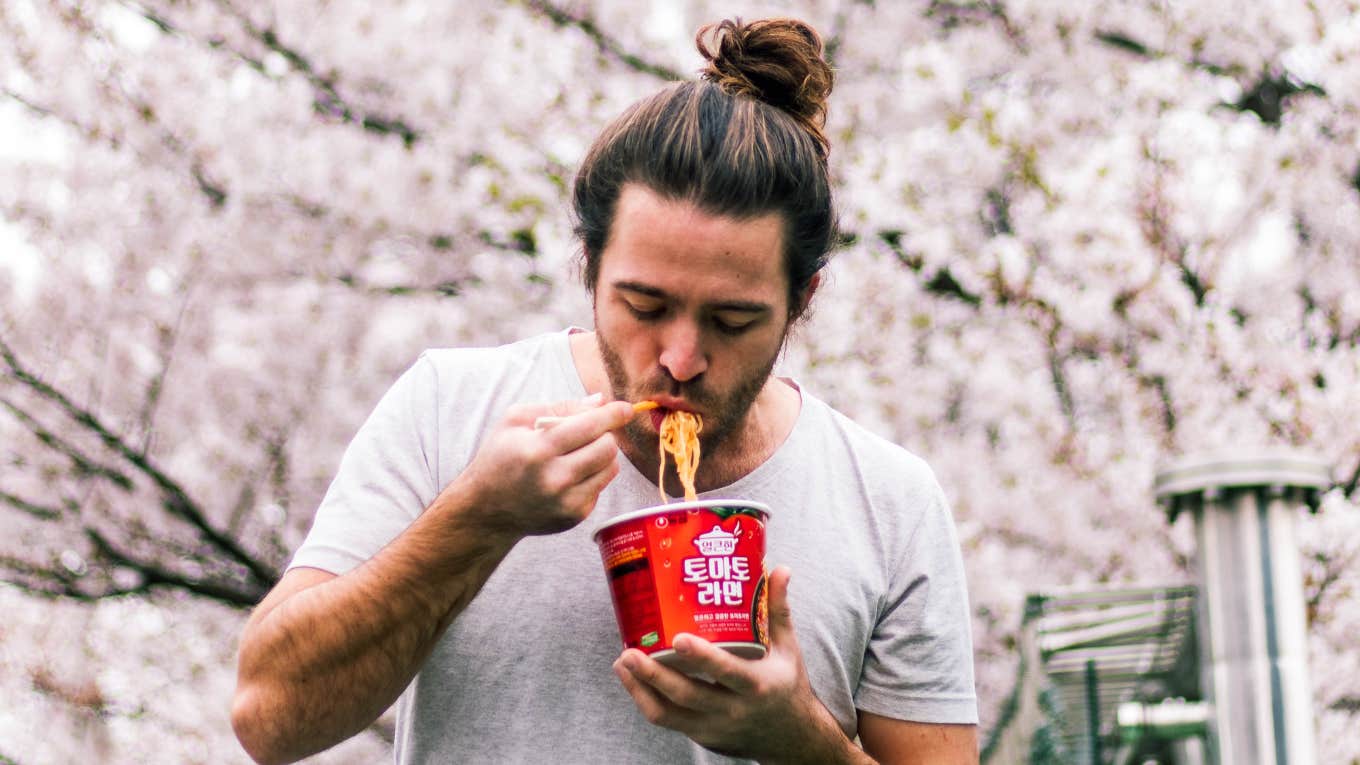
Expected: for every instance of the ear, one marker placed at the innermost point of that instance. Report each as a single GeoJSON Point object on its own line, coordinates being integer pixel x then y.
{"type": "Point", "coordinates": [805, 299]}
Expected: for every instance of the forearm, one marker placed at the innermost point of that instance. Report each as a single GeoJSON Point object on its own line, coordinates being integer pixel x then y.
{"type": "Point", "coordinates": [324, 663]}
{"type": "Point", "coordinates": [822, 742]}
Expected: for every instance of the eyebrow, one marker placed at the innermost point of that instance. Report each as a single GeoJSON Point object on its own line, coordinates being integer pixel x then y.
{"type": "Point", "coordinates": [743, 306]}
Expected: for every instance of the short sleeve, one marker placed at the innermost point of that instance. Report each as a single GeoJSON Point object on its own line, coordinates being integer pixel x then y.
{"type": "Point", "coordinates": [385, 479]}
{"type": "Point", "coordinates": [919, 662]}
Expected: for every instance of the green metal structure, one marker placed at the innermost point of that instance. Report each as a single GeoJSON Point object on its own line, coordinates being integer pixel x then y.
{"type": "Point", "coordinates": [1088, 658]}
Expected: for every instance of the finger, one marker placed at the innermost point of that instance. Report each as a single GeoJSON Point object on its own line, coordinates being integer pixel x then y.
{"type": "Point", "coordinates": [671, 685]}
{"type": "Point", "coordinates": [581, 428]}
{"type": "Point", "coordinates": [653, 706]}
{"type": "Point", "coordinates": [564, 473]}
{"type": "Point", "coordinates": [525, 414]}
{"type": "Point", "coordinates": [696, 656]}
{"type": "Point", "coordinates": [592, 457]}
{"type": "Point", "coordinates": [782, 637]}
{"type": "Point", "coordinates": [585, 493]}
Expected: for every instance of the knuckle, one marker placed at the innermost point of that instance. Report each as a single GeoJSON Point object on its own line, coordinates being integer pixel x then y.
{"type": "Point", "coordinates": [685, 697]}
{"type": "Point", "coordinates": [552, 481]}
{"type": "Point", "coordinates": [648, 673]}
{"type": "Point", "coordinates": [533, 451]}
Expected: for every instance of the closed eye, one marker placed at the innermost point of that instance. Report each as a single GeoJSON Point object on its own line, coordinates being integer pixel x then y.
{"type": "Point", "coordinates": [735, 323]}
{"type": "Point", "coordinates": [645, 309]}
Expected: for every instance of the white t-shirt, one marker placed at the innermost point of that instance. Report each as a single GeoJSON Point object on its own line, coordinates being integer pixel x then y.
{"type": "Point", "coordinates": [523, 674]}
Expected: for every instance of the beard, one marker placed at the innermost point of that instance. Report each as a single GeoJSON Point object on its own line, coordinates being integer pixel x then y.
{"type": "Point", "coordinates": [723, 411]}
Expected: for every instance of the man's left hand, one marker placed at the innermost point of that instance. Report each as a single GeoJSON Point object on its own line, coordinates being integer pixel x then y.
{"type": "Point", "coordinates": [760, 709]}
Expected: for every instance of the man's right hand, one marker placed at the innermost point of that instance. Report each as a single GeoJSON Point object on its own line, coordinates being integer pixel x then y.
{"type": "Point", "coordinates": [524, 481]}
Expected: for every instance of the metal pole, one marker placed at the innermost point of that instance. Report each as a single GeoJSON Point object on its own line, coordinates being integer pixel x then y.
{"type": "Point", "coordinates": [1093, 712]}
{"type": "Point", "coordinates": [1253, 649]}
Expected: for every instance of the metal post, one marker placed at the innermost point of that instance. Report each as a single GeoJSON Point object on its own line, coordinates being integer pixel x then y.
{"type": "Point", "coordinates": [1253, 643]}
{"type": "Point", "coordinates": [1093, 712]}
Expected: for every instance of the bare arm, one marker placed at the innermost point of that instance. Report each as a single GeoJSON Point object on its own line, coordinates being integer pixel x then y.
{"type": "Point", "coordinates": [322, 663]}
{"type": "Point", "coordinates": [899, 742]}
{"type": "Point", "coordinates": [323, 655]}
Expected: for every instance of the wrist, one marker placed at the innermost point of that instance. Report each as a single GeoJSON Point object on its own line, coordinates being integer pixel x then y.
{"type": "Point", "coordinates": [464, 510]}
{"type": "Point", "coordinates": [822, 742]}
{"type": "Point", "coordinates": [836, 752]}
{"type": "Point", "coordinates": [444, 556]}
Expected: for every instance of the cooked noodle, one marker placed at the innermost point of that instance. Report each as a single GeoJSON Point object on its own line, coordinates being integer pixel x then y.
{"type": "Point", "coordinates": [680, 437]}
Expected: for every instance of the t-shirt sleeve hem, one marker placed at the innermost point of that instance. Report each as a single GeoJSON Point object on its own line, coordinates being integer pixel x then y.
{"type": "Point", "coordinates": [335, 562]}
{"type": "Point", "coordinates": [957, 710]}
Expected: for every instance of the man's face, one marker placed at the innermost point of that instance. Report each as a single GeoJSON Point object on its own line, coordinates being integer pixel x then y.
{"type": "Point", "coordinates": [691, 310]}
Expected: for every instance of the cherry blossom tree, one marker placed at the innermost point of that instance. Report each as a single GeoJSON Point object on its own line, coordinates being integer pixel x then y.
{"type": "Point", "coordinates": [1080, 239]}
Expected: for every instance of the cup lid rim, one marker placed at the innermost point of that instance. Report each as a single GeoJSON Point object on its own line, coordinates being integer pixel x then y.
{"type": "Point", "coordinates": [671, 507]}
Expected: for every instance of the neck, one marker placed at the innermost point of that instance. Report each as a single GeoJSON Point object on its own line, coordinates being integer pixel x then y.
{"type": "Point", "coordinates": [766, 424]}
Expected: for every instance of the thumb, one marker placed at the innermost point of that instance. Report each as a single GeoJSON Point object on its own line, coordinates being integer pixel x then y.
{"type": "Point", "coordinates": [782, 637]}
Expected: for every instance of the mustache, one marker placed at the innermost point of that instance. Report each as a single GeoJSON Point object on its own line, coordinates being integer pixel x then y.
{"type": "Point", "coordinates": [665, 385]}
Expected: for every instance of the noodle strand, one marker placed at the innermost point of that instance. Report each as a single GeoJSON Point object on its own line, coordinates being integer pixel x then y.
{"type": "Point", "coordinates": [680, 437]}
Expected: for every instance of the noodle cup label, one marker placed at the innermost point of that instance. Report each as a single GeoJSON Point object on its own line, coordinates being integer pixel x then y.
{"type": "Point", "coordinates": [696, 567]}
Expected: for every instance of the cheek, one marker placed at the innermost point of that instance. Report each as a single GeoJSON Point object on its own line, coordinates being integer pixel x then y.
{"type": "Point", "coordinates": [755, 346]}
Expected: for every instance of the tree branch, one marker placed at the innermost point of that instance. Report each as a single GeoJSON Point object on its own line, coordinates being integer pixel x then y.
{"type": "Point", "coordinates": [154, 576]}
{"type": "Point", "coordinates": [216, 194]}
{"type": "Point", "coordinates": [835, 37]}
{"type": "Point", "coordinates": [326, 100]}
{"type": "Point", "coordinates": [83, 465]}
{"type": "Point", "coordinates": [41, 512]}
{"type": "Point", "coordinates": [604, 42]}
{"type": "Point", "coordinates": [941, 282]}
{"type": "Point", "coordinates": [1058, 376]}
{"type": "Point", "coordinates": [1128, 44]}
{"type": "Point", "coordinates": [1155, 224]}
{"type": "Point", "coordinates": [446, 288]}
{"type": "Point", "coordinates": [168, 338]}
{"type": "Point", "coordinates": [1334, 567]}
{"type": "Point", "coordinates": [1266, 97]}
{"type": "Point", "coordinates": [1348, 488]}
{"type": "Point", "coordinates": [173, 497]}
{"type": "Point", "coordinates": [952, 14]}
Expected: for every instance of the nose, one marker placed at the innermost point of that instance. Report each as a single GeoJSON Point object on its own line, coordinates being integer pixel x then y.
{"type": "Point", "coordinates": [682, 352]}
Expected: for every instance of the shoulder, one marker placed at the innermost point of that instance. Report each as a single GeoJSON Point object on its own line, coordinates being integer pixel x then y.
{"type": "Point", "coordinates": [520, 355]}
{"type": "Point", "coordinates": [884, 467]}
{"type": "Point", "coordinates": [446, 386]}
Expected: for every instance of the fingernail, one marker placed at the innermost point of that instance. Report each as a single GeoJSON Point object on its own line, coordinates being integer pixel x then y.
{"type": "Point", "coordinates": [682, 643]}
{"type": "Point", "coordinates": [593, 399]}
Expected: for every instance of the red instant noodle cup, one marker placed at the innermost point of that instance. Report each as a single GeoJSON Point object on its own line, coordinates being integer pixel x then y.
{"type": "Point", "coordinates": [696, 567]}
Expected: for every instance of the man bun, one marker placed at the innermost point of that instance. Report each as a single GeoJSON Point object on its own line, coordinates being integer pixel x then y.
{"type": "Point", "coordinates": [777, 61]}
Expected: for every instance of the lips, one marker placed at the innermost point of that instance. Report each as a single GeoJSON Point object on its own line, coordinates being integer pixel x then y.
{"type": "Point", "coordinates": [665, 407]}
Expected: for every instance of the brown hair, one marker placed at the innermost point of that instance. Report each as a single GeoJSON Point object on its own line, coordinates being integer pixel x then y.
{"type": "Point", "coordinates": [744, 141]}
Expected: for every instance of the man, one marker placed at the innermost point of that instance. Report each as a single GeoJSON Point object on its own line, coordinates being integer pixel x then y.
{"type": "Point", "coordinates": [449, 565]}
